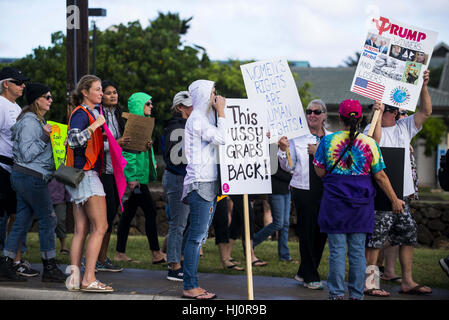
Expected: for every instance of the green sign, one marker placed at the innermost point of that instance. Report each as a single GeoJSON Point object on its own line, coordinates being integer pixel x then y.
{"type": "Point", "coordinates": [58, 137]}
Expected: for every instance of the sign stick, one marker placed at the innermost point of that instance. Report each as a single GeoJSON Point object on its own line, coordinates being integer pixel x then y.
{"type": "Point", "coordinates": [289, 158]}
{"type": "Point", "coordinates": [373, 123]}
{"type": "Point", "coordinates": [249, 270]}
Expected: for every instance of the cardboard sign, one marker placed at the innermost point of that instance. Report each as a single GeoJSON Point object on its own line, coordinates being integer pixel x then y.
{"type": "Point", "coordinates": [394, 162]}
{"type": "Point", "coordinates": [393, 60]}
{"type": "Point", "coordinates": [140, 130]}
{"type": "Point", "coordinates": [58, 136]}
{"type": "Point", "coordinates": [245, 157]}
{"type": "Point", "coordinates": [271, 87]}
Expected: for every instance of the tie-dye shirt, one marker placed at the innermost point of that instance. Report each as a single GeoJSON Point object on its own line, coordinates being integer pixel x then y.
{"type": "Point", "coordinates": [365, 152]}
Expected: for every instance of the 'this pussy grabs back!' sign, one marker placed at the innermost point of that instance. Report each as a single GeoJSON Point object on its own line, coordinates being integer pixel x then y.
{"type": "Point", "coordinates": [271, 87]}
{"type": "Point", "coordinates": [392, 62]}
{"type": "Point", "coordinates": [245, 158]}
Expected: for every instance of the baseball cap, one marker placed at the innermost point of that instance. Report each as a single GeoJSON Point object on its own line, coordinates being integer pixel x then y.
{"type": "Point", "coordinates": [182, 97]}
{"type": "Point", "coordinates": [349, 108]}
{"type": "Point", "coordinates": [12, 73]}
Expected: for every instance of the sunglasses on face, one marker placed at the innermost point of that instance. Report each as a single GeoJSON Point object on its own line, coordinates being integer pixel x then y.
{"type": "Point", "coordinates": [403, 113]}
{"type": "Point", "coordinates": [17, 82]}
{"type": "Point", "coordinates": [149, 103]}
{"type": "Point", "coordinates": [390, 110]}
{"type": "Point", "coordinates": [317, 112]}
{"type": "Point", "coordinates": [47, 97]}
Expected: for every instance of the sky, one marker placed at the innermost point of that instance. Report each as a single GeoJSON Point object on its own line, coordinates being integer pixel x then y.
{"type": "Point", "coordinates": [322, 32]}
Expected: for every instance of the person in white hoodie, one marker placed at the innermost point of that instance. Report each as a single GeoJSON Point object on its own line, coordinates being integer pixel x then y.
{"type": "Point", "coordinates": [204, 131]}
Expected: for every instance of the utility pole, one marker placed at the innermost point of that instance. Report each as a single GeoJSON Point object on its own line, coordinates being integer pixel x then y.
{"type": "Point", "coordinates": [77, 42]}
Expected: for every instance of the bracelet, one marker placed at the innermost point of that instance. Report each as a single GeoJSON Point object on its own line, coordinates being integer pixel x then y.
{"type": "Point", "coordinates": [91, 131]}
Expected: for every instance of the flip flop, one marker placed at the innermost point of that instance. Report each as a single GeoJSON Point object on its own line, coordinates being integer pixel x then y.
{"type": "Point", "coordinates": [203, 296]}
{"type": "Point", "coordinates": [370, 292]}
{"type": "Point", "coordinates": [234, 261]}
{"type": "Point", "coordinates": [416, 291]}
{"type": "Point", "coordinates": [234, 267]}
{"type": "Point", "coordinates": [64, 252]}
{"type": "Point", "coordinates": [259, 263]}
{"type": "Point", "coordinates": [394, 279]}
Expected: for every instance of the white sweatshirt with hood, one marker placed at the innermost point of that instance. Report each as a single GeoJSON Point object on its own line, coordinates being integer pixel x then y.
{"type": "Point", "coordinates": [202, 136]}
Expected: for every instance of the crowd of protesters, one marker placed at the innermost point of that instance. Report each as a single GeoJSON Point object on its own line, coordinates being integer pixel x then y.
{"type": "Point", "coordinates": [329, 180]}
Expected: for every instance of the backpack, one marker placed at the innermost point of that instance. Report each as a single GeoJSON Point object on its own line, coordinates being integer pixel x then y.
{"type": "Point", "coordinates": [443, 172]}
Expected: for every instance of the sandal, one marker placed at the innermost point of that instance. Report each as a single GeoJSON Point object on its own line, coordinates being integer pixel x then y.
{"type": "Point", "coordinates": [380, 293]}
{"type": "Point", "coordinates": [160, 261]}
{"type": "Point", "coordinates": [416, 291]}
{"type": "Point", "coordinates": [234, 261]}
{"type": "Point", "coordinates": [232, 266]}
{"type": "Point", "coordinates": [394, 279]}
{"type": "Point", "coordinates": [259, 263]}
{"type": "Point", "coordinates": [96, 286]}
{"type": "Point", "coordinates": [202, 296]}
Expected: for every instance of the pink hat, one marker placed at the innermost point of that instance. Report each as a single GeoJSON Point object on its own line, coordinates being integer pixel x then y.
{"type": "Point", "coordinates": [350, 108]}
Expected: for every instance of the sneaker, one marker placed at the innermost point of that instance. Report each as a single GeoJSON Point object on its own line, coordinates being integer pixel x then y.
{"type": "Point", "coordinates": [7, 271]}
{"type": "Point", "coordinates": [444, 263]}
{"type": "Point", "coordinates": [23, 268]}
{"type": "Point", "coordinates": [332, 297]}
{"type": "Point", "coordinates": [298, 278]}
{"type": "Point", "coordinates": [108, 266]}
{"type": "Point", "coordinates": [175, 275]}
{"type": "Point", "coordinates": [51, 271]}
{"type": "Point", "coordinates": [316, 285]}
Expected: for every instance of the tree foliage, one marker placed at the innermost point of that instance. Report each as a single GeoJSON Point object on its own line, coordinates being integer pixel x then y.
{"type": "Point", "coordinates": [154, 60]}
{"type": "Point", "coordinates": [432, 132]}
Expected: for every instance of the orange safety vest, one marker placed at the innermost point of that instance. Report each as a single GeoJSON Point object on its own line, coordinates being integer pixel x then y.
{"type": "Point", "coordinates": [95, 146]}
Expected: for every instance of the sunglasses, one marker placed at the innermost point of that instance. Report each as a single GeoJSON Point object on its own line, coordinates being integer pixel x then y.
{"type": "Point", "coordinates": [17, 82]}
{"type": "Point", "coordinates": [149, 103]}
{"type": "Point", "coordinates": [403, 113]}
{"type": "Point", "coordinates": [390, 110]}
{"type": "Point", "coordinates": [317, 112]}
{"type": "Point", "coordinates": [47, 97]}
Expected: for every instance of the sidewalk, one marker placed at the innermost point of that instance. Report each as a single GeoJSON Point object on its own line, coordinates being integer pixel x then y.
{"type": "Point", "coordinates": [139, 284]}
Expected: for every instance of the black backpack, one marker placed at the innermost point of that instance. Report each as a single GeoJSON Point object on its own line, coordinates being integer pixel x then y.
{"type": "Point", "coordinates": [443, 172]}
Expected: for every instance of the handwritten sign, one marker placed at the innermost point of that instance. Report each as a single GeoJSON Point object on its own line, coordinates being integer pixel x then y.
{"type": "Point", "coordinates": [139, 129]}
{"type": "Point", "coordinates": [393, 60]}
{"type": "Point", "coordinates": [271, 87]}
{"type": "Point", "coordinates": [57, 137]}
{"type": "Point", "coordinates": [245, 158]}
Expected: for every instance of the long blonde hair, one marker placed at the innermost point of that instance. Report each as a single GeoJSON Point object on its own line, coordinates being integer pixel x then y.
{"type": "Point", "coordinates": [34, 108]}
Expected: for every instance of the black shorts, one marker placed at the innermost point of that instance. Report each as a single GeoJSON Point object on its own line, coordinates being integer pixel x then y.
{"type": "Point", "coordinates": [8, 200]}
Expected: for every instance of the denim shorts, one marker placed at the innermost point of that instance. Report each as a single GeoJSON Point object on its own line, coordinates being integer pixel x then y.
{"type": "Point", "coordinates": [88, 187]}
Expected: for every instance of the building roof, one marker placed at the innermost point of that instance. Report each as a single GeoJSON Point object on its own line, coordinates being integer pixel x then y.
{"type": "Point", "coordinates": [332, 85]}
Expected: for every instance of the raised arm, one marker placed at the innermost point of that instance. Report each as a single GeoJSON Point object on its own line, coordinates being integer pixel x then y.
{"type": "Point", "coordinates": [425, 108]}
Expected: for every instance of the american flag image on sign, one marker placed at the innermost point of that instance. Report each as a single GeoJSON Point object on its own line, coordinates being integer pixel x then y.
{"type": "Point", "coordinates": [368, 88]}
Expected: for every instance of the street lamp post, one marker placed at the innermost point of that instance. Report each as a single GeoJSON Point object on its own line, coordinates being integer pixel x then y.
{"type": "Point", "coordinates": [95, 12]}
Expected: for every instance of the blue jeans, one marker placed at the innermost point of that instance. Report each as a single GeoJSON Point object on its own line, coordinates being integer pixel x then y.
{"type": "Point", "coordinates": [33, 197]}
{"type": "Point", "coordinates": [201, 215]}
{"type": "Point", "coordinates": [178, 213]}
{"type": "Point", "coordinates": [3, 226]}
{"type": "Point", "coordinates": [357, 264]}
{"type": "Point", "coordinates": [280, 211]}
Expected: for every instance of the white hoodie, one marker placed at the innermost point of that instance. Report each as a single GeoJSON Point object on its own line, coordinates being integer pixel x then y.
{"type": "Point", "coordinates": [202, 136]}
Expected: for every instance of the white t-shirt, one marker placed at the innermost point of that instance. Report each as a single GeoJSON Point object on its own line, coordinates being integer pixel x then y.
{"type": "Point", "coordinates": [8, 116]}
{"type": "Point", "coordinates": [399, 136]}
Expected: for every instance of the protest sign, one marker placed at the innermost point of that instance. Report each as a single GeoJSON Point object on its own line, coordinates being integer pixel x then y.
{"type": "Point", "coordinates": [393, 60]}
{"type": "Point", "coordinates": [139, 129]}
{"type": "Point", "coordinates": [270, 87]}
{"type": "Point", "coordinates": [245, 157]}
{"type": "Point", "coordinates": [57, 137]}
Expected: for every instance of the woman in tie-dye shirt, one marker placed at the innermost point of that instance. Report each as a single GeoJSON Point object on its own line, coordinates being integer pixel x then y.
{"type": "Point", "coordinates": [345, 160]}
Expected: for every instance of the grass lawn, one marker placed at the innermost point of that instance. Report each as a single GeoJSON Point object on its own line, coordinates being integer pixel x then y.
{"type": "Point", "coordinates": [426, 269]}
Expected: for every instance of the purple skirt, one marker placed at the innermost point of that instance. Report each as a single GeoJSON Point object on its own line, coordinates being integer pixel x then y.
{"type": "Point", "coordinates": [347, 205]}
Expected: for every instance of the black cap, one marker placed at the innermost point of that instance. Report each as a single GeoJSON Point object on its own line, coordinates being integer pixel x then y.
{"type": "Point", "coordinates": [35, 90]}
{"type": "Point", "coordinates": [13, 73]}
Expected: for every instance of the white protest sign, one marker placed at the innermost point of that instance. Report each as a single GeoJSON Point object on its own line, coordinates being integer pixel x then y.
{"type": "Point", "coordinates": [271, 87]}
{"type": "Point", "coordinates": [393, 60]}
{"type": "Point", "coordinates": [245, 157]}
